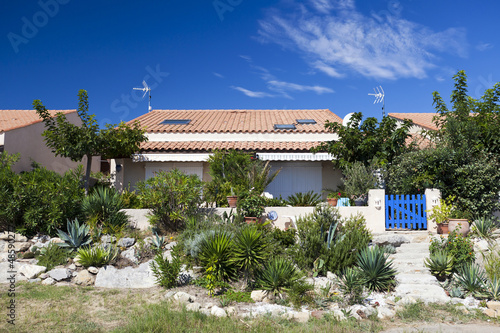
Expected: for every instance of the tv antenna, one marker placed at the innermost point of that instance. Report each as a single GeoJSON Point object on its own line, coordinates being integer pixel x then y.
{"type": "Point", "coordinates": [146, 90]}
{"type": "Point", "coordinates": [379, 97]}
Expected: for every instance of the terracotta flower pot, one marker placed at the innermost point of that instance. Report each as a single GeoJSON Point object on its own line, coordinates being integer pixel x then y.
{"type": "Point", "coordinates": [460, 225]}
{"type": "Point", "coordinates": [442, 228]}
{"type": "Point", "coordinates": [232, 200]}
{"type": "Point", "coordinates": [332, 201]}
{"type": "Point", "coordinates": [251, 220]}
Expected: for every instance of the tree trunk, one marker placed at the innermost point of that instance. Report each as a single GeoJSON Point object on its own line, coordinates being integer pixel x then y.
{"type": "Point", "coordinates": [87, 174]}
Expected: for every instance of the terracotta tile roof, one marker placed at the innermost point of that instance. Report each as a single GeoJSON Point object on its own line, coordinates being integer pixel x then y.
{"type": "Point", "coordinates": [421, 119]}
{"type": "Point", "coordinates": [235, 121]}
{"type": "Point", "coordinates": [12, 119]}
{"type": "Point", "coordinates": [203, 146]}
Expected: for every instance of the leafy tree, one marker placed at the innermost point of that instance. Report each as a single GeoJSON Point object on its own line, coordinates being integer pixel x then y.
{"type": "Point", "coordinates": [363, 141]}
{"type": "Point", "coordinates": [75, 142]}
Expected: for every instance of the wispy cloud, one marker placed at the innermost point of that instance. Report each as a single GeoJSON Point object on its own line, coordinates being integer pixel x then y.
{"type": "Point", "coordinates": [484, 46]}
{"type": "Point", "coordinates": [218, 75]}
{"type": "Point", "coordinates": [254, 94]}
{"type": "Point", "coordinates": [283, 87]}
{"type": "Point", "coordinates": [335, 38]}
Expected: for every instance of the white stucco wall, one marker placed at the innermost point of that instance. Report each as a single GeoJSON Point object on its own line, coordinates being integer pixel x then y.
{"type": "Point", "coordinates": [29, 143]}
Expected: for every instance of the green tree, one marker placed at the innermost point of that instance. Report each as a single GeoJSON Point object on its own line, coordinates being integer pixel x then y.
{"type": "Point", "coordinates": [363, 141]}
{"type": "Point", "coordinates": [75, 142]}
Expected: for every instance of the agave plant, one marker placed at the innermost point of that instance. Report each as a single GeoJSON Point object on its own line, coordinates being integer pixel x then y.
{"type": "Point", "coordinates": [471, 278]}
{"type": "Point", "coordinates": [376, 269]}
{"type": "Point", "coordinates": [278, 275]}
{"type": "Point", "coordinates": [351, 283]}
{"type": "Point", "coordinates": [483, 227]}
{"type": "Point", "coordinates": [440, 264]}
{"type": "Point", "coordinates": [96, 256]}
{"type": "Point", "coordinates": [77, 236]}
{"type": "Point", "coordinates": [159, 242]}
{"type": "Point", "coordinates": [493, 289]}
{"type": "Point", "coordinates": [250, 249]}
{"type": "Point", "coordinates": [102, 209]}
{"type": "Point", "coordinates": [304, 199]}
{"type": "Point", "coordinates": [216, 252]}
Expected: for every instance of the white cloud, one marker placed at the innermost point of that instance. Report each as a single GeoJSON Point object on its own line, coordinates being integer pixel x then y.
{"type": "Point", "coordinates": [333, 34]}
{"type": "Point", "coordinates": [218, 75]}
{"type": "Point", "coordinates": [254, 94]}
{"type": "Point", "coordinates": [484, 46]}
{"type": "Point", "coordinates": [247, 58]}
{"type": "Point", "coordinates": [283, 87]}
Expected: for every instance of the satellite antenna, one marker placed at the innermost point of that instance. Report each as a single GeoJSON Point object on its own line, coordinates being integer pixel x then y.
{"type": "Point", "coordinates": [347, 119]}
{"type": "Point", "coordinates": [379, 97]}
{"type": "Point", "coordinates": [146, 90]}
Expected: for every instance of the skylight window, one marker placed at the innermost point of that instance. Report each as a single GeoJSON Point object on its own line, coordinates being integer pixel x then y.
{"type": "Point", "coordinates": [284, 126]}
{"type": "Point", "coordinates": [306, 121]}
{"type": "Point", "coordinates": [175, 122]}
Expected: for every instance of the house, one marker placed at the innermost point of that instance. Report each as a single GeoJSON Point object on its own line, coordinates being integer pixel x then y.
{"type": "Point", "coordinates": [21, 132]}
{"type": "Point", "coordinates": [421, 121]}
{"type": "Point", "coordinates": [184, 139]}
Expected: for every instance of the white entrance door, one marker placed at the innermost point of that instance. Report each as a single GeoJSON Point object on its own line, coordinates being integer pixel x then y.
{"type": "Point", "coordinates": [296, 177]}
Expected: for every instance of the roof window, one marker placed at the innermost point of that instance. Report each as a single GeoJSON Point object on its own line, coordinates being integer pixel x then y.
{"type": "Point", "coordinates": [284, 126]}
{"type": "Point", "coordinates": [306, 121]}
{"type": "Point", "coordinates": [175, 122]}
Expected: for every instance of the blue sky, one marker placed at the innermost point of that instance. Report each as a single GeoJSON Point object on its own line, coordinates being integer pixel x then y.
{"type": "Point", "coordinates": [245, 54]}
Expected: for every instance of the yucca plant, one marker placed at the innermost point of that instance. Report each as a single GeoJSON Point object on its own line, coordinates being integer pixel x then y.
{"type": "Point", "coordinates": [96, 256]}
{"type": "Point", "coordinates": [250, 250]}
{"type": "Point", "coordinates": [304, 199]}
{"type": "Point", "coordinates": [278, 275]}
{"type": "Point", "coordinates": [102, 209]}
{"type": "Point", "coordinates": [77, 236]}
{"type": "Point", "coordinates": [351, 283]}
{"type": "Point", "coordinates": [158, 242]}
{"type": "Point", "coordinates": [440, 263]}
{"type": "Point", "coordinates": [376, 269]}
{"type": "Point", "coordinates": [471, 278]}
{"type": "Point", "coordinates": [493, 288]}
{"type": "Point", "coordinates": [216, 252]}
{"type": "Point", "coordinates": [483, 227]}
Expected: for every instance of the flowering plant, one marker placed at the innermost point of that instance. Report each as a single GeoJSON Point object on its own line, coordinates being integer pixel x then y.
{"type": "Point", "coordinates": [334, 195]}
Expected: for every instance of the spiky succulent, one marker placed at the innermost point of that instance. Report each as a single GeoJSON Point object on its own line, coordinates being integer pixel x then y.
{"type": "Point", "coordinates": [440, 264]}
{"type": "Point", "coordinates": [77, 236]}
{"type": "Point", "coordinates": [376, 269]}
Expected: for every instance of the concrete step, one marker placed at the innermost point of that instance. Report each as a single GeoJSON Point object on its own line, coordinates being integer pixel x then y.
{"type": "Point", "coordinates": [409, 255]}
{"type": "Point", "coordinates": [409, 261]}
{"type": "Point", "coordinates": [425, 291]}
{"type": "Point", "coordinates": [413, 246]}
{"type": "Point", "coordinates": [416, 278]}
{"type": "Point", "coordinates": [412, 270]}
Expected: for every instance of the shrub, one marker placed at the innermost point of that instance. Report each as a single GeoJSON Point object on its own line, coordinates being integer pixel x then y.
{"type": "Point", "coordinates": [377, 271]}
{"type": "Point", "coordinates": [251, 205]}
{"type": "Point", "coordinates": [359, 179]}
{"type": "Point", "coordinates": [456, 246]}
{"type": "Point", "coordinates": [52, 256]}
{"type": "Point", "coordinates": [96, 256]}
{"type": "Point", "coordinates": [173, 196]}
{"type": "Point", "coordinates": [165, 272]}
{"type": "Point", "coordinates": [492, 263]}
{"type": "Point", "coordinates": [304, 199]}
{"type": "Point", "coordinates": [278, 275]}
{"type": "Point", "coordinates": [250, 250]}
{"type": "Point", "coordinates": [351, 284]}
{"type": "Point", "coordinates": [40, 201]}
{"type": "Point", "coordinates": [102, 209]}
{"type": "Point", "coordinates": [77, 236]}
{"type": "Point", "coordinates": [216, 253]}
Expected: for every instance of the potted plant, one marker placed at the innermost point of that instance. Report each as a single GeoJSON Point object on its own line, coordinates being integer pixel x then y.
{"type": "Point", "coordinates": [232, 199]}
{"type": "Point", "coordinates": [333, 198]}
{"type": "Point", "coordinates": [358, 180]}
{"type": "Point", "coordinates": [449, 218]}
{"type": "Point", "coordinates": [252, 207]}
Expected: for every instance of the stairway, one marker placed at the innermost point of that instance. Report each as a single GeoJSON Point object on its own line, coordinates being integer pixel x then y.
{"type": "Point", "coordinates": [413, 278]}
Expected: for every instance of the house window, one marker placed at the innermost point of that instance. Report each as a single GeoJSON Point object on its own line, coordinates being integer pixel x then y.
{"type": "Point", "coordinates": [284, 126]}
{"type": "Point", "coordinates": [175, 122]}
{"type": "Point", "coordinates": [306, 121]}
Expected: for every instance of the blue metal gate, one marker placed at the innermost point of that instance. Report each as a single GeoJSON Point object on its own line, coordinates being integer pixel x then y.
{"type": "Point", "coordinates": [405, 212]}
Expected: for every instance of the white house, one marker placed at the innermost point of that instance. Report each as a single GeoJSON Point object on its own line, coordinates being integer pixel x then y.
{"type": "Point", "coordinates": [184, 139]}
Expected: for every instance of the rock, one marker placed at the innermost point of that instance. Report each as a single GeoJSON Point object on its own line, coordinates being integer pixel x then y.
{"type": "Point", "coordinates": [56, 240]}
{"type": "Point", "coordinates": [170, 245]}
{"type": "Point", "coordinates": [18, 247]}
{"type": "Point", "coordinates": [331, 276]}
{"type": "Point", "coordinates": [12, 235]}
{"type": "Point", "coordinates": [60, 274]}
{"type": "Point", "coordinates": [21, 278]}
{"type": "Point", "coordinates": [481, 245]}
{"type": "Point", "coordinates": [63, 284]}
{"type": "Point", "coordinates": [183, 297]}
{"type": "Point", "coordinates": [302, 317]}
{"type": "Point", "coordinates": [394, 240]}
{"type": "Point", "coordinates": [258, 295]}
{"type": "Point", "coordinates": [318, 314]}
{"type": "Point", "coordinates": [339, 314]}
{"type": "Point", "coordinates": [34, 280]}
{"type": "Point", "coordinates": [169, 295]}
{"type": "Point", "coordinates": [195, 306]}
{"type": "Point", "coordinates": [494, 305]}
{"type": "Point", "coordinates": [205, 311]}
{"type": "Point", "coordinates": [128, 277]}
{"type": "Point", "coordinates": [130, 255]}
{"type": "Point", "coordinates": [31, 271]}
{"type": "Point", "coordinates": [106, 239]}
{"type": "Point", "coordinates": [218, 312]}
{"type": "Point", "coordinates": [126, 242]}
{"type": "Point", "coordinates": [230, 310]}
{"type": "Point", "coordinates": [84, 278]}
{"type": "Point", "coordinates": [4, 256]}
{"type": "Point", "coordinates": [385, 313]}
{"type": "Point", "coordinates": [49, 281]}
{"type": "Point", "coordinates": [72, 267]}
{"type": "Point", "coordinates": [490, 313]}
{"type": "Point", "coordinates": [5, 272]}
{"type": "Point", "coordinates": [93, 270]}
{"type": "Point", "coordinates": [43, 276]}
{"type": "Point", "coordinates": [167, 255]}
